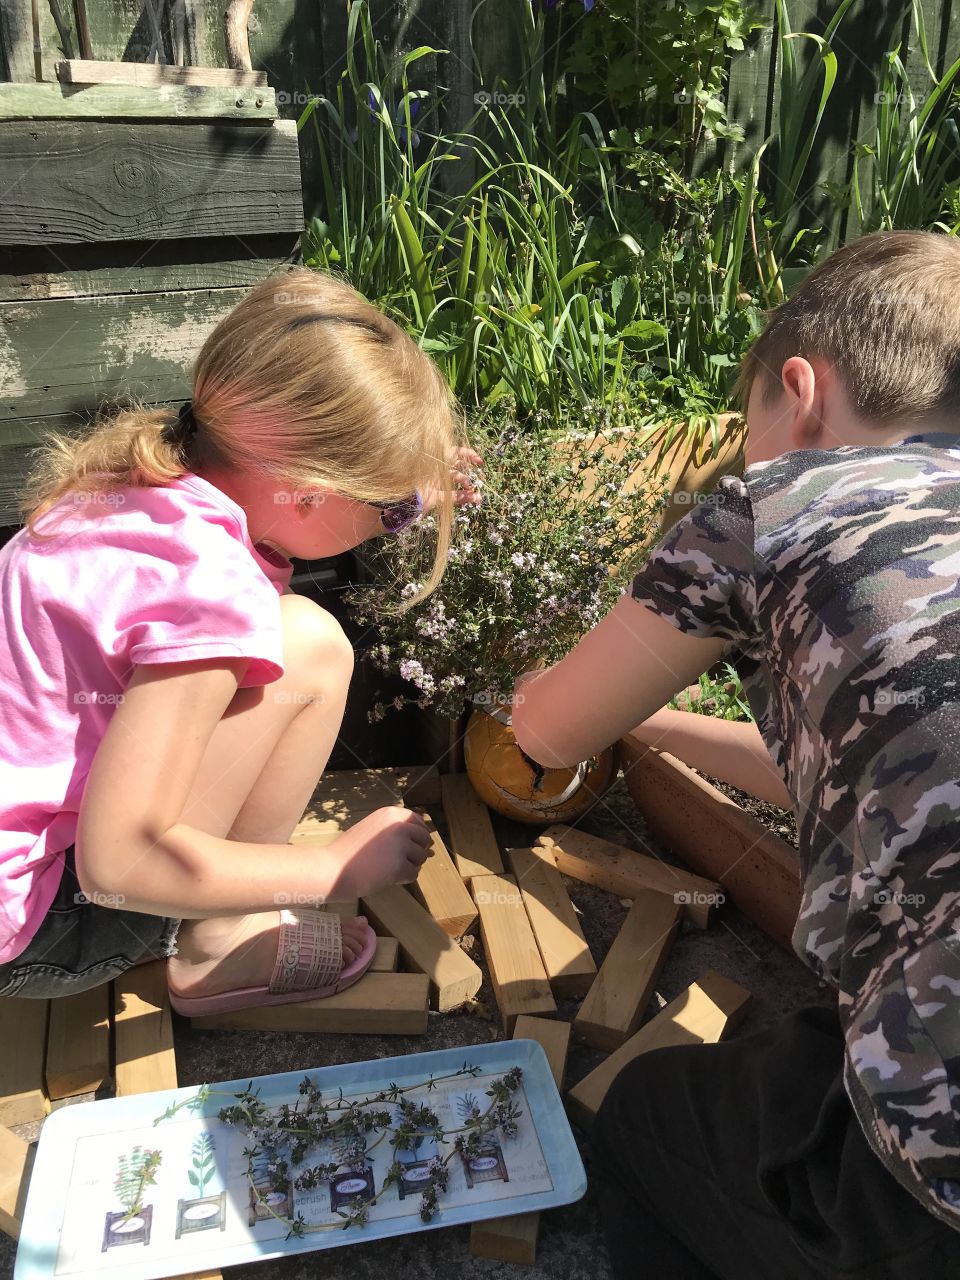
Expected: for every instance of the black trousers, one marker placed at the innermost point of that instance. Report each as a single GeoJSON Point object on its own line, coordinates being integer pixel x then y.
{"type": "Point", "coordinates": [746, 1161]}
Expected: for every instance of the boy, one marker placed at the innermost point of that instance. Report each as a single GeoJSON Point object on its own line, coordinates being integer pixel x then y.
{"type": "Point", "coordinates": [828, 1145]}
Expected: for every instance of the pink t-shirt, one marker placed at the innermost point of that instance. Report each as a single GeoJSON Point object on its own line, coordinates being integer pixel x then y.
{"type": "Point", "coordinates": [162, 574]}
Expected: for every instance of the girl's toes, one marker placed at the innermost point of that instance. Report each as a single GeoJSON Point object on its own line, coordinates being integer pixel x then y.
{"type": "Point", "coordinates": [354, 935]}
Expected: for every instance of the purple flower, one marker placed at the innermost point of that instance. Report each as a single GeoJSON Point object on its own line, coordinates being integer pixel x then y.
{"type": "Point", "coordinates": [397, 114]}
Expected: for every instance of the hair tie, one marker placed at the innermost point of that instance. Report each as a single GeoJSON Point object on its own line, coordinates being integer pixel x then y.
{"type": "Point", "coordinates": [184, 426]}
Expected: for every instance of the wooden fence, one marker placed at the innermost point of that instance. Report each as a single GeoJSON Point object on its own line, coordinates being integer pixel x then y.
{"type": "Point", "coordinates": [124, 235]}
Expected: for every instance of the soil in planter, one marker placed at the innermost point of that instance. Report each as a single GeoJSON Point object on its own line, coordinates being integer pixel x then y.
{"type": "Point", "coordinates": [781, 822]}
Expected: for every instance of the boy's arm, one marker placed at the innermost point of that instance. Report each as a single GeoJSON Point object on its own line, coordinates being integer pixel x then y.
{"type": "Point", "coordinates": [619, 674]}
{"type": "Point", "coordinates": [731, 750]}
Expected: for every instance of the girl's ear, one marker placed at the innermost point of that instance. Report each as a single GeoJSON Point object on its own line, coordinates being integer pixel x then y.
{"type": "Point", "coordinates": [306, 501]}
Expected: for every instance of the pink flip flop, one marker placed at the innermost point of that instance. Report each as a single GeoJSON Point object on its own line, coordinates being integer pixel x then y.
{"type": "Point", "coordinates": [308, 967]}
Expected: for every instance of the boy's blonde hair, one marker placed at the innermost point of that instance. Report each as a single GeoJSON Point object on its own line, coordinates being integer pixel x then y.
{"type": "Point", "coordinates": [885, 311]}
{"type": "Point", "coordinates": [305, 383]}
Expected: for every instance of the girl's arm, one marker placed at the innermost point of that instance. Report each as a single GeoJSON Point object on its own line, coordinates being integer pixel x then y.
{"type": "Point", "coordinates": [131, 843]}
{"type": "Point", "coordinates": [730, 750]}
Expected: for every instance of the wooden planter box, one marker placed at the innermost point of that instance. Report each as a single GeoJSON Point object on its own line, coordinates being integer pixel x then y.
{"type": "Point", "coordinates": [712, 835]}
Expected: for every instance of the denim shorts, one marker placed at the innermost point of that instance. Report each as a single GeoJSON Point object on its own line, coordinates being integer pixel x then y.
{"type": "Point", "coordinates": [82, 944]}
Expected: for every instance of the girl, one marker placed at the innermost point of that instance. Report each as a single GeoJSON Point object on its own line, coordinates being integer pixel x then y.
{"type": "Point", "coordinates": [168, 704]}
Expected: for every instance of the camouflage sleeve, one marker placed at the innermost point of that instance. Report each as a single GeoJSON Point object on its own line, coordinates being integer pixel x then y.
{"type": "Point", "coordinates": [700, 577]}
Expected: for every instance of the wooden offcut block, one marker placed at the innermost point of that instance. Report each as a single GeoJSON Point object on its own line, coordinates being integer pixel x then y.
{"type": "Point", "coordinates": [344, 909]}
{"type": "Point", "coordinates": [23, 1034]}
{"type": "Point", "coordinates": [383, 1004]}
{"type": "Point", "coordinates": [706, 1012]}
{"type": "Point", "coordinates": [440, 888]}
{"type": "Point", "coordinates": [472, 841]}
{"type": "Point", "coordinates": [513, 957]}
{"type": "Point", "coordinates": [143, 1027]}
{"type": "Point", "coordinates": [566, 957]}
{"type": "Point", "coordinates": [514, 1239]}
{"type": "Point", "coordinates": [78, 1043]}
{"type": "Point", "coordinates": [388, 954]}
{"type": "Point", "coordinates": [424, 946]}
{"type": "Point", "coordinates": [16, 1163]}
{"type": "Point", "coordinates": [552, 1034]}
{"type": "Point", "coordinates": [625, 872]}
{"type": "Point", "coordinates": [615, 1004]}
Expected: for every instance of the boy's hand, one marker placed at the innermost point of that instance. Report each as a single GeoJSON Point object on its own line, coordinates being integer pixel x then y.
{"type": "Point", "coordinates": [465, 489]}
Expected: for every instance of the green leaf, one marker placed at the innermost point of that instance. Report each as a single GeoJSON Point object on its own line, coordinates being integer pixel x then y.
{"type": "Point", "coordinates": [643, 333]}
{"type": "Point", "coordinates": [194, 1180]}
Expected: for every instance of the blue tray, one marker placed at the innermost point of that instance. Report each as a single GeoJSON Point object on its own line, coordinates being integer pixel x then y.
{"type": "Point", "coordinates": [56, 1169]}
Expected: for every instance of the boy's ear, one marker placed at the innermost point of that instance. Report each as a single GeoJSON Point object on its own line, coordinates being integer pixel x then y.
{"type": "Point", "coordinates": [803, 400]}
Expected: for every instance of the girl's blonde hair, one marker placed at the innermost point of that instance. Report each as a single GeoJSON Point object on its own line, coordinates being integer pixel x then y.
{"type": "Point", "coordinates": [305, 383]}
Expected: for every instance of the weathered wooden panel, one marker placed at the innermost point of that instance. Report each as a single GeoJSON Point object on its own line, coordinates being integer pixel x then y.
{"type": "Point", "coordinates": [65, 354]}
{"type": "Point", "coordinates": [42, 272]}
{"type": "Point", "coordinates": [96, 71]}
{"type": "Point", "coordinates": [119, 101]}
{"type": "Point", "coordinates": [16, 441]}
{"type": "Point", "coordinates": [69, 182]}
{"type": "Point", "coordinates": [119, 29]}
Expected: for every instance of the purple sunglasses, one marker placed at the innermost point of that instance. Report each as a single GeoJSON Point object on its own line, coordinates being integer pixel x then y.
{"type": "Point", "coordinates": [395, 516]}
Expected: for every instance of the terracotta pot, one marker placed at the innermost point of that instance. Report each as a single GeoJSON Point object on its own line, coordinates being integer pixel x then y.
{"type": "Point", "coordinates": [715, 837]}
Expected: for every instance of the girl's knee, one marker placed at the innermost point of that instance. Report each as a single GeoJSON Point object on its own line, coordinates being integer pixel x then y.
{"type": "Point", "coordinates": [313, 638]}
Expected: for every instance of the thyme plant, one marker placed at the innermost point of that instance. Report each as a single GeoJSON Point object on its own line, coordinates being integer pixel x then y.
{"type": "Point", "coordinates": [284, 1136]}
{"type": "Point", "coordinates": [533, 567]}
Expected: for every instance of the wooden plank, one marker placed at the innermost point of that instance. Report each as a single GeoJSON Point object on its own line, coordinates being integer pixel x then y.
{"type": "Point", "coordinates": [143, 1044]}
{"type": "Point", "coordinates": [513, 958]}
{"type": "Point", "coordinates": [143, 74]}
{"type": "Point", "coordinates": [66, 353]}
{"type": "Point", "coordinates": [566, 957]}
{"type": "Point", "coordinates": [440, 889]}
{"type": "Point", "coordinates": [616, 1002]}
{"type": "Point", "coordinates": [78, 1043]}
{"type": "Point", "coordinates": [69, 182]}
{"type": "Point", "coordinates": [707, 1011]}
{"type": "Point", "coordinates": [46, 101]}
{"type": "Point", "coordinates": [514, 1239]}
{"type": "Point", "coordinates": [382, 1004]}
{"type": "Point", "coordinates": [454, 978]}
{"type": "Point", "coordinates": [36, 273]}
{"type": "Point", "coordinates": [319, 832]}
{"type": "Point", "coordinates": [625, 872]}
{"type": "Point", "coordinates": [23, 1033]}
{"type": "Point", "coordinates": [16, 1165]}
{"type": "Point", "coordinates": [472, 841]}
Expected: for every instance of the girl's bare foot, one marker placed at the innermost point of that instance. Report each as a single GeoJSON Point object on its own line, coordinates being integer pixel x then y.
{"type": "Point", "coordinates": [227, 952]}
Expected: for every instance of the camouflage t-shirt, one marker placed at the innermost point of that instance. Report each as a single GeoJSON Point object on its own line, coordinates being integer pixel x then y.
{"type": "Point", "coordinates": [835, 575]}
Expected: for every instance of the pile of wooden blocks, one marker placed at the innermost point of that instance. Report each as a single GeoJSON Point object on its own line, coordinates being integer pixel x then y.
{"type": "Point", "coordinates": [532, 941]}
